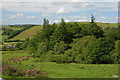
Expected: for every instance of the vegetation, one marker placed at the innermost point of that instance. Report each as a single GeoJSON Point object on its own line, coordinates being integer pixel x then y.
{"type": "Point", "coordinates": [54, 70]}
{"type": "Point", "coordinates": [12, 33]}
{"type": "Point", "coordinates": [65, 50]}
{"type": "Point", "coordinates": [81, 43]}
{"type": "Point", "coordinates": [29, 33]}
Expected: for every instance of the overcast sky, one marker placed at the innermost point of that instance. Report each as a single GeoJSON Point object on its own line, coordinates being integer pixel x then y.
{"type": "Point", "coordinates": [34, 11]}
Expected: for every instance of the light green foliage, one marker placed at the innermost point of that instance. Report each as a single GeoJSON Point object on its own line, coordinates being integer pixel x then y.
{"type": "Point", "coordinates": [42, 49]}
{"type": "Point", "coordinates": [59, 48]}
{"type": "Point", "coordinates": [80, 47]}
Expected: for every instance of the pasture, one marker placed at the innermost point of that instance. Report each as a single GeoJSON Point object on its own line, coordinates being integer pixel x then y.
{"type": "Point", "coordinates": [54, 70]}
{"type": "Point", "coordinates": [28, 33]}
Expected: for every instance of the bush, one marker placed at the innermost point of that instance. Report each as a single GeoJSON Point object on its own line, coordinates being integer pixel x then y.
{"type": "Point", "coordinates": [45, 58]}
{"type": "Point", "coordinates": [99, 52]}
{"type": "Point", "coordinates": [59, 48]}
{"type": "Point", "coordinates": [62, 58]}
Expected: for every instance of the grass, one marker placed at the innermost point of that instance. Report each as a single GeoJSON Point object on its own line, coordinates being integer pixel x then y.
{"type": "Point", "coordinates": [54, 70]}
{"type": "Point", "coordinates": [105, 25]}
{"type": "Point", "coordinates": [28, 33]}
{"type": "Point", "coordinates": [102, 25]}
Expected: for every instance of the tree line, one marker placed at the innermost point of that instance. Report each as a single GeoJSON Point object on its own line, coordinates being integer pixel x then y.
{"type": "Point", "coordinates": [75, 42]}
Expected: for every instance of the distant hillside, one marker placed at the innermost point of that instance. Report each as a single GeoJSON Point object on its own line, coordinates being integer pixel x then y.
{"type": "Point", "coordinates": [33, 31]}
{"type": "Point", "coordinates": [102, 25]}
{"type": "Point", "coordinates": [28, 33]}
{"type": "Point", "coordinates": [8, 27]}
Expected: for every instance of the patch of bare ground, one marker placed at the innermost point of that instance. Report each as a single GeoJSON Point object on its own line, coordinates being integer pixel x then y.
{"type": "Point", "coordinates": [19, 58]}
{"type": "Point", "coordinates": [15, 72]}
{"type": "Point", "coordinates": [34, 73]}
{"type": "Point", "coordinates": [12, 71]}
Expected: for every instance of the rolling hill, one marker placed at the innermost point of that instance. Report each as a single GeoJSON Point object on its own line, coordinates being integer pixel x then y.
{"type": "Point", "coordinates": [33, 31]}
{"type": "Point", "coordinates": [28, 33]}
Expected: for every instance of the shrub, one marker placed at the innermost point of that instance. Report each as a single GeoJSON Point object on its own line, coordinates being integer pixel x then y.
{"type": "Point", "coordinates": [62, 58]}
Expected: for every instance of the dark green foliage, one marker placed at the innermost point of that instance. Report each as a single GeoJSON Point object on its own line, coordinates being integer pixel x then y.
{"type": "Point", "coordinates": [45, 23]}
{"type": "Point", "coordinates": [61, 33]}
{"type": "Point", "coordinates": [99, 52]}
{"type": "Point", "coordinates": [62, 58]}
{"type": "Point", "coordinates": [21, 45]}
{"type": "Point", "coordinates": [74, 30]}
{"type": "Point", "coordinates": [17, 40]}
{"type": "Point", "coordinates": [92, 18]}
{"type": "Point", "coordinates": [18, 45]}
{"type": "Point", "coordinates": [7, 31]}
{"type": "Point", "coordinates": [112, 33]}
{"type": "Point", "coordinates": [75, 42]}
{"type": "Point", "coordinates": [92, 29]}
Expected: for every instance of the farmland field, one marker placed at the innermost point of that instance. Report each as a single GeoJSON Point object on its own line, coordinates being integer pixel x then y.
{"type": "Point", "coordinates": [54, 70]}
{"type": "Point", "coordinates": [28, 33]}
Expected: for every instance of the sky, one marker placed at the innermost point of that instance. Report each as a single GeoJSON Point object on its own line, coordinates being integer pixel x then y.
{"type": "Point", "coordinates": [34, 11]}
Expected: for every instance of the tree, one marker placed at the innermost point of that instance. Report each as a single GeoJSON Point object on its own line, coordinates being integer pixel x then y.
{"type": "Point", "coordinates": [92, 18]}
{"type": "Point", "coordinates": [62, 23]}
{"type": "Point", "coordinates": [92, 29]}
{"type": "Point", "coordinates": [42, 49]}
{"type": "Point", "coordinates": [99, 51]}
{"type": "Point", "coordinates": [61, 34]}
{"type": "Point", "coordinates": [112, 33]}
{"type": "Point", "coordinates": [60, 48]}
{"type": "Point", "coordinates": [45, 23]}
{"type": "Point", "coordinates": [80, 48]}
{"type": "Point", "coordinates": [74, 30]}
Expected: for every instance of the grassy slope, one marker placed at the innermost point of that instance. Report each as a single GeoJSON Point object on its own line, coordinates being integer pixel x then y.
{"type": "Point", "coordinates": [105, 25]}
{"type": "Point", "coordinates": [32, 31]}
{"type": "Point", "coordinates": [28, 33]}
{"type": "Point", "coordinates": [8, 27]}
{"type": "Point", "coordinates": [54, 70]}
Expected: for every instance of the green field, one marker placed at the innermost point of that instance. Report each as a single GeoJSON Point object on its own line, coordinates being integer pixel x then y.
{"type": "Point", "coordinates": [104, 25]}
{"type": "Point", "coordinates": [54, 70]}
{"type": "Point", "coordinates": [28, 33]}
